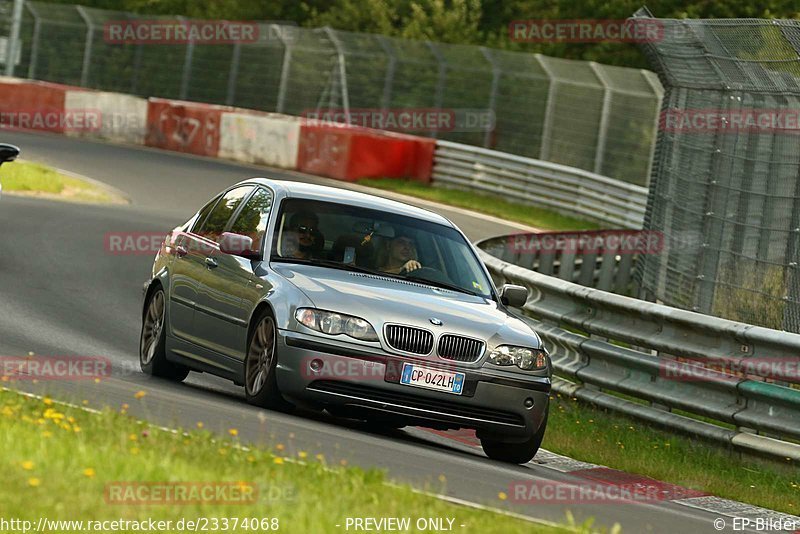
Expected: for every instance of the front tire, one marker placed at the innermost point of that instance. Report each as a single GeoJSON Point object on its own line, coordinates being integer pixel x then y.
{"type": "Point", "coordinates": [153, 341]}
{"type": "Point", "coordinates": [260, 381]}
{"type": "Point", "coordinates": [516, 453]}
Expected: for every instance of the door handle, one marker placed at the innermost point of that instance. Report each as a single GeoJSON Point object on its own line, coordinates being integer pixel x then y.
{"type": "Point", "coordinates": [211, 263]}
{"type": "Point", "coordinates": [180, 251]}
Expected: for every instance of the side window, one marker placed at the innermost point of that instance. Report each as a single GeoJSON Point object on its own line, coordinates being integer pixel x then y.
{"type": "Point", "coordinates": [252, 220]}
{"type": "Point", "coordinates": [214, 225]}
{"type": "Point", "coordinates": [203, 214]}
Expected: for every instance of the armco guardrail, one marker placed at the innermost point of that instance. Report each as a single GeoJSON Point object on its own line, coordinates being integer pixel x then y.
{"type": "Point", "coordinates": [559, 187]}
{"type": "Point", "coordinates": [603, 259]}
{"type": "Point", "coordinates": [654, 353]}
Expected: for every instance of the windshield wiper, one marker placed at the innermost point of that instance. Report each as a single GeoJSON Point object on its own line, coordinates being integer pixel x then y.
{"type": "Point", "coordinates": [443, 285]}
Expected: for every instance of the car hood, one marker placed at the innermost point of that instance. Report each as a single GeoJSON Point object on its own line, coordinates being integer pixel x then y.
{"type": "Point", "coordinates": [382, 300]}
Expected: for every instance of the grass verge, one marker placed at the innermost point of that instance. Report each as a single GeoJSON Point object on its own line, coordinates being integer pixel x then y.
{"type": "Point", "coordinates": [34, 179]}
{"type": "Point", "coordinates": [594, 435]}
{"type": "Point", "coordinates": [64, 463]}
{"type": "Point", "coordinates": [483, 203]}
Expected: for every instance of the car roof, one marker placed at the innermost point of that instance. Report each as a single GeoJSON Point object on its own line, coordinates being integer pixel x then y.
{"type": "Point", "coordinates": [324, 193]}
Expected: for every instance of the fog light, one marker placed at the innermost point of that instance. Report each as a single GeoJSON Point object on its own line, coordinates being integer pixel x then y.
{"type": "Point", "coordinates": [315, 365]}
{"type": "Point", "coordinates": [528, 402]}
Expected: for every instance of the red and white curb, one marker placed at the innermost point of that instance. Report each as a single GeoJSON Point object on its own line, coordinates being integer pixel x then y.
{"type": "Point", "coordinates": [747, 516]}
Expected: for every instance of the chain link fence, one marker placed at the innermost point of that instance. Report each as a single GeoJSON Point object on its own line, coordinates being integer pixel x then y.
{"type": "Point", "coordinates": [725, 187]}
{"type": "Point", "coordinates": [590, 116]}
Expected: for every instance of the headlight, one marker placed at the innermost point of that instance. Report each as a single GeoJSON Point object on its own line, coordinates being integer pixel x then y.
{"type": "Point", "coordinates": [333, 324]}
{"type": "Point", "coordinates": [524, 358]}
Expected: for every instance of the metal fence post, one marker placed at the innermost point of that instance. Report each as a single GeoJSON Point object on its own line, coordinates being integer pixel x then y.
{"type": "Point", "coordinates": [342, 71]}
{"type": "Point", "coordinates": [233, 73]}
{"type": "Point", "coordinates": [658, 93]}
{"type": "Point", "coordinates": [550, 108]}
{"type": "Point", "coordinates": [388, 81]}
{"type": "Point", "coordinates": [13, 37]}
{"type": "Point", "coordinates": [439, 96]}
{"type": "Point", "coordinates": [187, 66]}
{"type": "Point", "coordinates": [37, 30]}
{"type": "Point", "coordinates": [87, 47]}
{"type": "Point", "coordinates": [487, 138]}
{"type": "Point", "coordinates": [602, 130]}
{"type": "Point", "coordinates": [285, 72]}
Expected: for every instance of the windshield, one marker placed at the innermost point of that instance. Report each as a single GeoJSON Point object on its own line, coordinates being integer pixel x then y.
{"type": "Point", "coordinates": [342, 236]}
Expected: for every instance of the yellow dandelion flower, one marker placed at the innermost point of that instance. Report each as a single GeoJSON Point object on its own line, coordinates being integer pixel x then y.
{"type": "Point", "coordinates": [27, 465]}
{"type": "Point", "coordinates": [200, 424]}
{"type": "Point", "coordinates": [302, 454]}
{"type": "Point", "coordinates": [133, 437]}
{"type": "Point", "coordinates": [34, 482]}
{"type": "Point", "coordinates": [47, 401]}
{"type": "Point", "coordinates": [279, 447]}
{"type": "Point", "coordinates": [233, 432]}
{"type": "Point", "coordinates": [89, 472]}
{"type": "Point", "coordinates": [278, 460]}
{"type": "Point", "coordinates": [502, 496]}
{"type": "Point", "coordinates": [139, 395]}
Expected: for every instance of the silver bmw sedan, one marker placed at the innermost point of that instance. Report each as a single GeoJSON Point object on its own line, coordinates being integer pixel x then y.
{"type": "Point", "coordinates": [365, 307]}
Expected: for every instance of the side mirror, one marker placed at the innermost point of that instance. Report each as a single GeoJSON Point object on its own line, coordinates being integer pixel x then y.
{"type": "Point", "coordinates": [514, 296]}
{"type": "Point", "coordinates": [236, 244]}
{"type": "Point", "coordinates": [8, 153]}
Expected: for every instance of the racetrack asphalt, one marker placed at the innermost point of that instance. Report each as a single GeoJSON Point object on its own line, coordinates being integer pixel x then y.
{"type": "Point", "coordinates": [62, 293]}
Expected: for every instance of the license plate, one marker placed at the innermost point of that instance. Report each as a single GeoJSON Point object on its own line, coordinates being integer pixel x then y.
{"type": "Point", "coordinates": [424, 377]}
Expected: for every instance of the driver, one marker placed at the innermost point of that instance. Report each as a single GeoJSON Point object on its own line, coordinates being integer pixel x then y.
{"type": "Point", "coordinates": [401, 255]}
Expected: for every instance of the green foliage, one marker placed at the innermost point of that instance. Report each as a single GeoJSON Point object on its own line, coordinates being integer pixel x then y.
{"type": "Point", "coordinates": [482, 22]}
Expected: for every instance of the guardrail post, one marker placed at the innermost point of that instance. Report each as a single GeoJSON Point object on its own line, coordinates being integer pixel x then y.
{"type": "Point", "coordinates": [13, 37]}
{"type": "Point", "coordinates": [87, 47]}
{"type": "Point", "coordinates": [342, 71]}
{"type": "Point", "coordinates": [233, 73]}
{"type": "Point", "coordinates": [388, 81]}
{"type": "Point", "coordinates": [187, 66]}
{"type": "Point", "coordinates": [496, 72]}
{"type": "Point", "coordinates": [37, 30]}
{"type": "Point", "coordinates": [439, 96]}
{"type": "Point", "coordinates": [550, 110]}
{"type": "Point", "coordinates": [602, 130]}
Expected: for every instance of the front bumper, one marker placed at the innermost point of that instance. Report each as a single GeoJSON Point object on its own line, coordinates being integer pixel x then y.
{"type": "Point", "coordinates": [367, 380]}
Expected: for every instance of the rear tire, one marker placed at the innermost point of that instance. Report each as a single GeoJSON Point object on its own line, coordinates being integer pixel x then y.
{"type": "Point", "coordinates": [516, 453]}
{"type": "Point", "coordinates": [260, 380]}
{"type": "Point", "coordinates": [153, 341]}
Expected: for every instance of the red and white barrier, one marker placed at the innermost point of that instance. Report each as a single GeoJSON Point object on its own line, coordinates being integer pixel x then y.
{"type": "Point", "coordinates": [123, 118]}
{"type": "Point", "coordinates": [184, 126]}
{"type": "Point", "coordinates": [352, 152]}
{"type": "Point", "coordinates": [337, 151]}
{"type": "Point", "coordinates": [268, 139]}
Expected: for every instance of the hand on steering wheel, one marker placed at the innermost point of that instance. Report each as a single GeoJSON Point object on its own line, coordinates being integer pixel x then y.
{"type": "Point", "coordinates": [410, 265]}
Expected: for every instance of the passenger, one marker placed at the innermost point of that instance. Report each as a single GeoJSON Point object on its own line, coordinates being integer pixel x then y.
{"type": "Point", "coordinates": [400, 255]}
